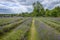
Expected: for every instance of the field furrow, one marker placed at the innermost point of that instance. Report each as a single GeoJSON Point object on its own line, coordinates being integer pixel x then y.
{"type": "Point", "coordinates": [46, 32]}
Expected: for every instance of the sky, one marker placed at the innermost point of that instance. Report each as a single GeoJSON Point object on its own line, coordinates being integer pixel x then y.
{"type": "Point", "coordinates": [19, 6]}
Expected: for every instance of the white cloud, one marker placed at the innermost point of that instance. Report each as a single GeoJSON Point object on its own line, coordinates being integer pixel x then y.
{"type": "Point", "coordinates": [18, 6]}
{"type": "Point", "coordinates": [50, 3]}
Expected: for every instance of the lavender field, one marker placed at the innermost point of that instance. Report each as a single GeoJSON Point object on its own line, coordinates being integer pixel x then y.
{"type": "Point", "coordinates": [30, 28]}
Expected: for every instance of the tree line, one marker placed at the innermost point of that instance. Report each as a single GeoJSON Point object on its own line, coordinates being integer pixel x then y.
{"type": "Point", "coordinates": [38, 11]}
{"type": "Point", "coordinates": [54, 12]}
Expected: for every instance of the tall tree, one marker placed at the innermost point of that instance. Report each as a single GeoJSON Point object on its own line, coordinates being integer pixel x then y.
{"type": "Point", "coordinates": [38, 9]}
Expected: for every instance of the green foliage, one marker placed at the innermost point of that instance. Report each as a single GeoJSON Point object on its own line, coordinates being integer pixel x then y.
{"type": "Point", "coordinates": [38, 9]}
{"type": "Point", "coordinates": [53, 13]}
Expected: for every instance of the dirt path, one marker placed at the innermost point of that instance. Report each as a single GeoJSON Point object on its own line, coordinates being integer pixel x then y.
{"type": "Point", "coordinates": [33, 32]}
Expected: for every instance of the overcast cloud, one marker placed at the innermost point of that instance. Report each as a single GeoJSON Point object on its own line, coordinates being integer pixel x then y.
{"type": "Point", "coordinates": [18, 6]}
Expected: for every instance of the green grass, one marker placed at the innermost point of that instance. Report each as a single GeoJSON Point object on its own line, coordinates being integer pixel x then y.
{"type": "Point", "coordinates": [33, 34]}
{"type": "Point", "coordinates": [13, 35]}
